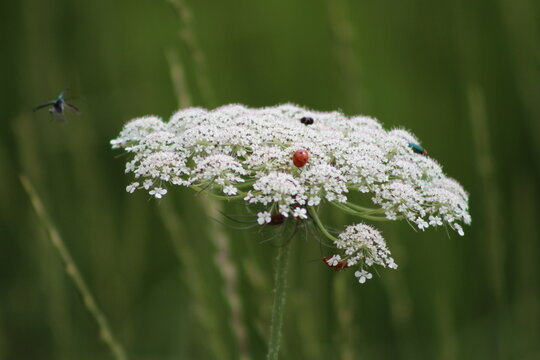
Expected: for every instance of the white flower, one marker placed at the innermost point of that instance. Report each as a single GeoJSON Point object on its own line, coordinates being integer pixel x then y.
{"type": "Point", "coordinates": [220, 149]}
{"type": "Point", "coordinates": [362, 276]}
{"type": "Point", "coordinates": [158, 192]}
{"type": "Point", "coordinates": [422, 224]}
{"type": "Point", "coordinates": [230, 190]}
{"type": "Point", "coordinates": [264, 217]}
{"type": "Point", "coordinates": [219, 169]}
{"type": "Point", "coordinates": [459, 229]}
{"type": "Point", "coordinates": [276, 187]}
{"type": "Point", "coordinates": [334, 260]}
{"type": "Point", "coordinates": [284, 210]}
{"type": "Point", "coordinates": [248, 153]}
{"type": "Point", "coordinates": [300, 213]}
{"type": "Point", "coordinates": [137, 129]}
{"type": "Point", "coordinates": [162, 165]}
{"type": "Point", "coordinates": [130, 166]}
{"type": "Point", "coordinates": [132, 187]}
{"type": "Point", "coordinates": [435, 221]}
{"type": "Point", "coordinates": [147, 184]}
{"type": "Point", "coordinates": [324, 181]}
{"type": "Point", "coordinates": [364, 245]}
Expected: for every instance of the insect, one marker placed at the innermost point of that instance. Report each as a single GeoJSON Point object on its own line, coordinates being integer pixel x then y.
{"type": "Point", "coordinates": [57, 107]}
{"type": "Point", "coordinates": [307, 120]}
{"type": "Point", "coordinates": [341, 264]}
{"type": "Point", "coordinates": [277, 219]}
{"type": "Point", "coordinates": [300, 158]}
{"type": "Point", "coordinates": [418, 148]}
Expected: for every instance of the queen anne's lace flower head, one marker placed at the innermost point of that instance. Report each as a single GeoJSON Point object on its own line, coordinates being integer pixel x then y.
{"type": "Point", "coordinates": [247, 154]}
{"type": "Point", "coordinates": [364, 245]}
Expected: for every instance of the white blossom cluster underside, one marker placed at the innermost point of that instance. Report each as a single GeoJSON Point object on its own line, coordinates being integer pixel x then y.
{"type": "Point", "coordinates": [241, 153]}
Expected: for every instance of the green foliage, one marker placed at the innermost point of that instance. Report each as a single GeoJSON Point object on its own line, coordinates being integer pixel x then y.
{"type": "Point", "coordinates": [464, 76]}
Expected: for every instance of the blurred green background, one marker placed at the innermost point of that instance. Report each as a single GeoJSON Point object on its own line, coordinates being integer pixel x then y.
{"type": "Point", "coordinates": [462, 75]}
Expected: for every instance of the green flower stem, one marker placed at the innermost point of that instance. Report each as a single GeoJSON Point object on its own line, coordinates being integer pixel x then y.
{"type": "Point", "coordinates": [365, 215]}
{"type": "Point", "coordinates": [244, 184]}
{"type": "Point", "coordinates": [361, 208]}
{"type": "Point", "coordinates": [355, 212]}
{"type": "Point", "coordinates": [280, 291]}
{"type": "Point", "coordinates": [320, 225]}
{"type": "Point", "coordinates": [346, 209]}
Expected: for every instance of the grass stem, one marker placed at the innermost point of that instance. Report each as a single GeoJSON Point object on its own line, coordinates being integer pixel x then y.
{"type": "Point", "coordinates": [73, 272]}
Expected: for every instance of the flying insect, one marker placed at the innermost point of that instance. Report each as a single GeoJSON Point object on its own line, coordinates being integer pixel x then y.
{"type": "Point", "coordinates": [57, 107]}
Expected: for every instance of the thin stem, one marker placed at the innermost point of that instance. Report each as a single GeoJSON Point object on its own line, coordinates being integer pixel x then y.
{"type": "Point", "coordinates": [320, 225]}
{"type": "Point", "coordinates": [73, 272]}
{"type": "Point", "coordinates": [346, 209]}
{"type": "Point", "coordinates": [360, 208]}
{"type": "Point", "coordinates": [344, 47]}
{"type": "Point", "coordinates": [244, 184]}
{"type": "Point", "coordinates": [178, 79]}
{"type": "Point", "coordinates": [280, 292]}
{"type": "Point", "coordinates": [365, 215]}
{"type": "Point", "coordinates": [188, 37]}
{"type": "Point", "coordinates": [355, 212]}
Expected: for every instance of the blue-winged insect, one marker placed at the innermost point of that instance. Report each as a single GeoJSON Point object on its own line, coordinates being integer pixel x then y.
{"type": "Point", "coordinates": [418, 148]}
{"type": "Point", "coordinates": [58, 106]}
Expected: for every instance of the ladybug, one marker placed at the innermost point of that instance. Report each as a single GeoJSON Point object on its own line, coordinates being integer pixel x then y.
{"type": "Point", "coordinates": [300, 158]}
{"type": "Point", "coordinates": [342, 264]}
{"type": "Point", "coordinates": [418, 149]}
{"type": "Point", "coordinates": [307, 120]}
{"type": "Point", "coordinates": [277, 219]}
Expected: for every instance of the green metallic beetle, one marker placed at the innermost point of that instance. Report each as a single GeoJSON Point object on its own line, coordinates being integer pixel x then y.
{"type": "Point", "coordinates": [418, 148]}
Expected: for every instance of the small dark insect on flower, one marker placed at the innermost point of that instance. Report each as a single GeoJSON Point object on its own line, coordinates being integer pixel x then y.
{"type": "Point", "coordinates": [339, 265]}
{"type": "Point", "coordinates": [277, 219]}
{"type": "Point", "coordinates": [418, 149]}
{"type": "Point", "coordinates": [307, 120]}
{"type": "Point", "coordinates": [300, 158]}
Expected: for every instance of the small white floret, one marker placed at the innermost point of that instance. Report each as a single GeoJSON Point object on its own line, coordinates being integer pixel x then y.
{"type": "Point", "coordinates": [132, 187]}
{"type": "Point", "coordinates": [264, 217]}
{"type": "Point", "coordinates": [300, 213]}
{"type": "Point", "coordinates": [158, 192]}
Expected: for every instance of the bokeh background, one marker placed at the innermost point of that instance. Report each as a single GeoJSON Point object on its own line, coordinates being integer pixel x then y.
{"type": "Point", "coordinates": [462, 75]}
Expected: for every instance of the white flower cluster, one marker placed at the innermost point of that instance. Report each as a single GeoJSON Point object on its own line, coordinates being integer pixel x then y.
{"type": "Point", "coordinates": [226, 147]}
{"type": "Point", "coordinates": [236, 152]}
{"type": "Point", "coordinates": [365, 246]}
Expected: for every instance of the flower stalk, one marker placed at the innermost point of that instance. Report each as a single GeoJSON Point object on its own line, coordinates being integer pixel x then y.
{"type": "Point", "coordinates": [363, 214]}
{"type": "Point", "coordinates": [278, 307]}
{"type": "Point", "coordinates": [320, 225]}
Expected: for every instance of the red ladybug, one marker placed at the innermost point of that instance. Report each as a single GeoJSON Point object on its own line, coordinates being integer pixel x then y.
{"type": "Point", "coordinates": [300, 158]}
{"type": "Point", "coordinates": [342, 264]}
